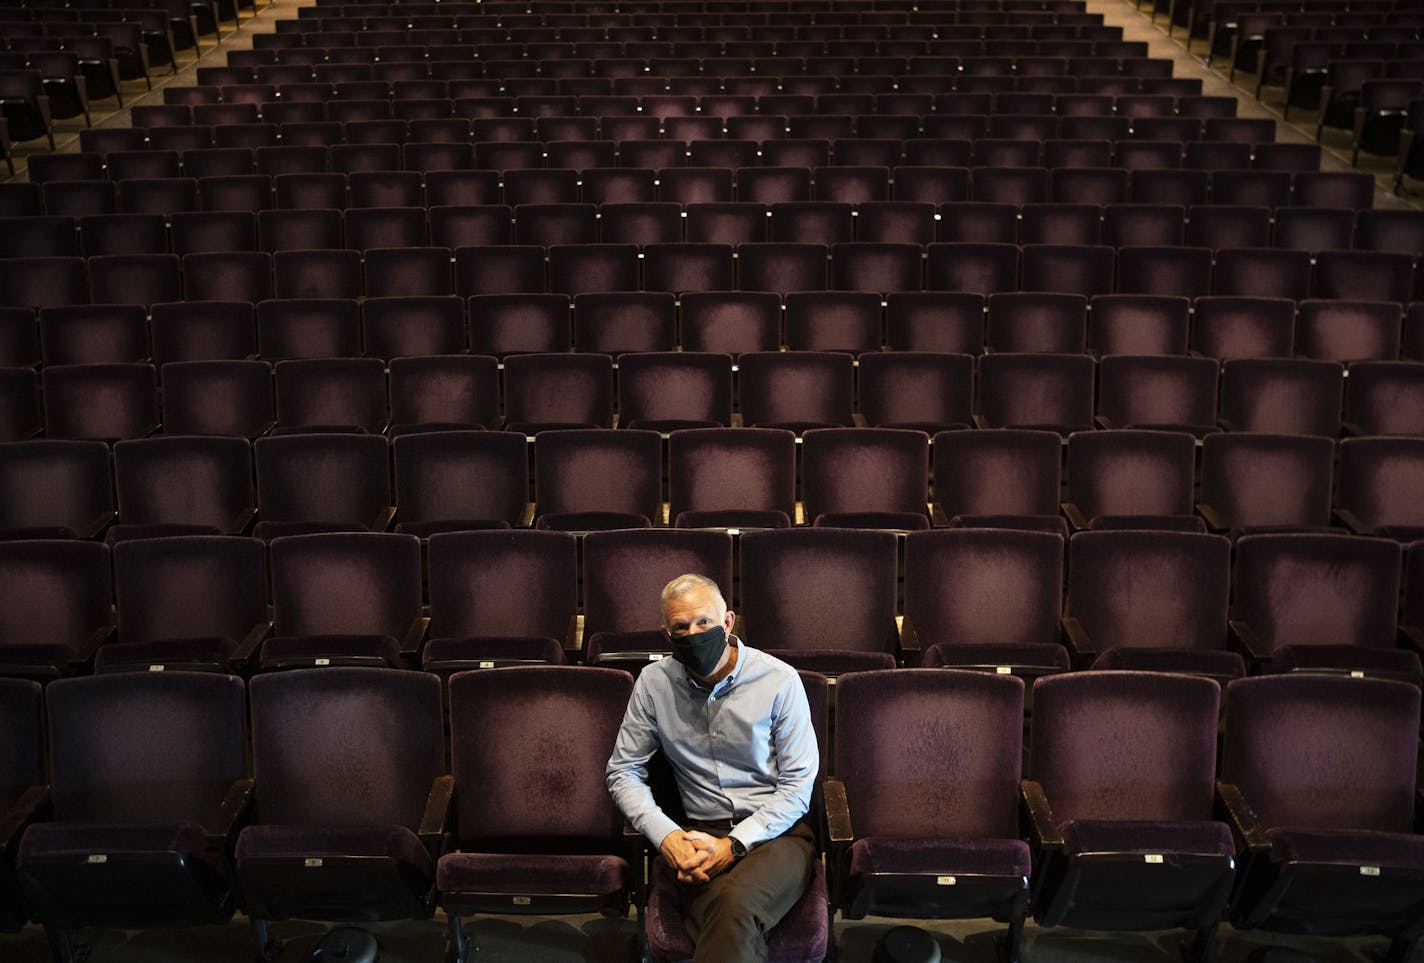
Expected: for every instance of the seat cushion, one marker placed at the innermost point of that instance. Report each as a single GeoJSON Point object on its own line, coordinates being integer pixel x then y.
{"type": "Point", "coordinates": [493, 649]}
{"type": "Point", "coordinates": [426, 529]}
{"type": "Point", "coordinates": [393, 842]}
{"type": "Point", "coordinates": [1401, 663]}
{"type": "Point", "coordinates": [1219, 664]}
{"type": "Point", "coordinates": [896, 521]}
{"type": "Point", "coordinates": [303, 649]}
{"type": "Point", "coordinates": [941, 856]}
{"type": "Point", "coordinates": [667, 426]}
{"type": "Point", "coordinates": [834, 661]}
{"type": "Point", "coordinates": [125, 533]}
{"type": "Point", "coordinates": [732, 519]}
{"type": "Point", "coordinates": [1047, 656]}
{"type": "Point", "coordinates": [531, 873]}
{"type": "Point", "coordinates": [1354, 847]}
{"type": "Point", "coordinates": [267, 531]}
{"type": "Point", "coordinates": [190, 653]}
{"type": "Point", "coordinates": [1125, 836]}
{"type": "Point", "coordinates": [591, 521]}
{"type": "Point", "coordinates": [79, 841]}
{"type": "Point", "coordinates": [1052, 524]}
{"type": "Point", "coordinates": [600, 645]}
{"type": "Point", "coordinates": [1156, 523]}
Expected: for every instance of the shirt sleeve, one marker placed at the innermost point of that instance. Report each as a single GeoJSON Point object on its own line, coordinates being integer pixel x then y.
{"type": "Point", "coordinates": [627, 771]}
{"type": "Point", "coordinates": [798, 760]}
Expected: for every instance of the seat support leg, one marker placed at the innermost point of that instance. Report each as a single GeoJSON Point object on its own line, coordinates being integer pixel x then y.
{"type": "Point", "coordinates": [1400, 948]}
{"type": "Point", "coordinates": [1198, 948]}
{"type": "Point", "coordinates": [459, 950]}
{"type": "Point", "coordinates": [267, 947]}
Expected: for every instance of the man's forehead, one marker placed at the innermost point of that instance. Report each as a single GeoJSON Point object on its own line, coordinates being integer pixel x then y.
{"type": "Point", "coordinates": [697, 601]}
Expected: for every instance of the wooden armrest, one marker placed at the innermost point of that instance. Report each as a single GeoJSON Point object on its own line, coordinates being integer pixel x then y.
{"type": "Point", "coordinates": [252, 642]}
{"type": "Point", "coordinates": [1044, 831]}
{"type": "Point", "coordinates": [1077, 637]}
{"type": "Point", "coordinates": [85, 653]}
{"type": "Point", "coordinates": [1250, 642]}
{"type": "Point", "coordinates": [384, 518]}
{"type": "Point", "coordinates": [1241, 816]}
{"type": "Point", "coordinates": [838, 827]}
{"type": "Point", "coordinates": [415, 636]}
{"type": "Point", "coordinates": [437, 811]}
{"type": "Point", "coordinates": [1075, 517]}
{"type": "Point", "coordinates": [98, 526]}
{"type": "Point", "coordinates": [228, 817]}
{"type": "Point", "coordinates": [1352, 521]}
{"type": "Point", "coordinates": [243, 523]}
{"type": "Point", "coordinates": [1212, 517]}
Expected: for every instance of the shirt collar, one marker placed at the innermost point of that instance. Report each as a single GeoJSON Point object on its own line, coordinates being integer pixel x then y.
{"type": "Point", "coordinates": [732, 676]}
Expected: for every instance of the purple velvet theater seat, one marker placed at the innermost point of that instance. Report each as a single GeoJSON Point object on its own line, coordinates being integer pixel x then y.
{"type": "Point", "coordinates": [536, 829]}
{"type": "Point", "coordinates": [351, 797]}
{"type": "Point", "coordinates": [908, 816]}
{"type": "Point", "coordinates": [1124, 839]}
{"type": "Point", "coordinates": [1318, 775]}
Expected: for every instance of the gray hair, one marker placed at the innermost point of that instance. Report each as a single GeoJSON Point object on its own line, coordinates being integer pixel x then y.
{"type": "Point", "coordinates": [684, 584]}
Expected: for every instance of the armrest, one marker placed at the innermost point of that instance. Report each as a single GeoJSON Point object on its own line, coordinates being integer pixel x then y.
{"type": "Point", "coordinates": [1075, 517]}
{"type": "Point", "coordinates": [1226, 424]}
{"type": "Point", "coordinates": [909, 637]}
{"type": "Point", "coordinates": [908, 649]}
{"type": "Point", "coordinates": [243, 523]}
{"type": "Point", "coordinates": [437, 810]}
{"type": "Point", "coordinates": [526, 517]}
{"type": "Point", "coordinates": [1241, 816]}
{"type": "Point", "coordinates": [1251, 643]}
{"type": "Point", "coordinates": [1350, 428]}
{"type": "Point", "coordinates": [1077, 636]}
{"type": "Point", "coordinates": [85, 653]}
{"type": "Point", "coordinates": [981, 422]}
{"type": "Point", "coordinates": [1212, 517]}
{"type": "Point", "coordinates": [32, 802]}
{"type": "Point", "coordinates": [838, 829]}
{"type": "Point", "coordinates": [382, 427]}
{"type": "Point", "coordinates": [230, 811]}
{"type": "Point", "coordinates": [1352, 521]}
{"type": "Point", "coordinates": [266, 427]}
{"type": "Point", "coordinates": [250, 643]}
{"type": "Point", "coordinates": [938, 519]}
{"type": "Point", "coordinates": [1043, 830]}
{"type": "Point", "coordinates": [1102, 421]}
{"type": "Point", "coordinates": [415, 636]}
{"type": "Point", "coordinates": [384, 518]}
{"type": "Point", "coordinates": [573, 636]}
{"type": "Point", "coordinates": [98, 526]}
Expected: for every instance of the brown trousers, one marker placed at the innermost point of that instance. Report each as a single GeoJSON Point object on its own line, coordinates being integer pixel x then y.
{"type": "Point", "coordinates": [730, 915]}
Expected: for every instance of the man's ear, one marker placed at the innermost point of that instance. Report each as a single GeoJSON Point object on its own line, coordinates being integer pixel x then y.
{"type": "Point", "coordinates": [729, 620]}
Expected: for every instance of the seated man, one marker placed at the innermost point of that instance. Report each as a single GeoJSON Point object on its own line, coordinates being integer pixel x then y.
{"type": "Point", "coordinates": [735, 725]}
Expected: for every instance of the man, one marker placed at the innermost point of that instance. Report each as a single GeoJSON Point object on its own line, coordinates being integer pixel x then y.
{"type": "Point", "coordinates": [735, 725]}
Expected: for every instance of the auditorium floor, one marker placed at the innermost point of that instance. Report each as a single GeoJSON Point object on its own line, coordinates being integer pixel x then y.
{"type": "Point", "coordinates": [570, 939]}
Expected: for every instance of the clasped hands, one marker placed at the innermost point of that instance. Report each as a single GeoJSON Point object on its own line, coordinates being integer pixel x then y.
{"type": "Point", "coordinates": [695, 855]}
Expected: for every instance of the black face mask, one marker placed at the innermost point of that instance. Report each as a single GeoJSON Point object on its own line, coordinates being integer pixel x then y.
{"type": "Point", "coordinates": [700, 653]}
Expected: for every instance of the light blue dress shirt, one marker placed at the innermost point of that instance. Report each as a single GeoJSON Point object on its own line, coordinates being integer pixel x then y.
{"type": "Point", "coordinates": [744, 751]}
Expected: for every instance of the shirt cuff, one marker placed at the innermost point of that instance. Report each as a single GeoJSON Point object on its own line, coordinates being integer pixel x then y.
{"type": "Point", "coordinates": [656, 826]}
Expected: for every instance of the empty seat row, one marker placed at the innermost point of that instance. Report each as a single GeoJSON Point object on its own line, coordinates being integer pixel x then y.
{"type": "Point", "coordinates": [853, 231]}
{"type": "Point", "coordinates": [984, 268]}
{"type": "Point", "coordinates": [731, 322]}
